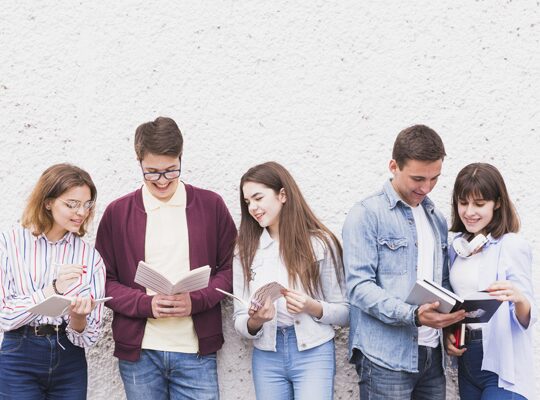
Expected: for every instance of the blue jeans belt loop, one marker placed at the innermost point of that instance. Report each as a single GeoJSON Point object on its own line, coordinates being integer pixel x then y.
{"type": "Point", "coordinates": [473, 335]}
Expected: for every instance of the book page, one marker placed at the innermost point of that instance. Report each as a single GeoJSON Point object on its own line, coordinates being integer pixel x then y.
{"type": "Point", "coordinates": [195, 279]}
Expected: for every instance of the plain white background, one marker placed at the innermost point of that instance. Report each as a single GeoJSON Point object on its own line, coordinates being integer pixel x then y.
{"type": "Point", "coordinates": [322, 87]}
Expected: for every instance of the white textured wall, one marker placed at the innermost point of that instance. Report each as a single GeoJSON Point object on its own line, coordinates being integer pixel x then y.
{"type": "Point", "coordinates": [322, 87]}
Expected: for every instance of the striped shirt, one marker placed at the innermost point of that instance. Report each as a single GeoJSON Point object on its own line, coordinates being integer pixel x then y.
{"type": "Point", "coordinates": [27, 266]}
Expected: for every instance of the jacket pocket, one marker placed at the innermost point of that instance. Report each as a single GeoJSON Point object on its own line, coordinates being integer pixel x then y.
{"type": "Point", "coordinates": [392, 255]}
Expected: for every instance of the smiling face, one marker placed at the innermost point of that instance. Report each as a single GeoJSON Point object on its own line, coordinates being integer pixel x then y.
{"type": "Point", "coordinates": [162, 189]}
{"type": "Point", "coordinates": [476, 214]}
{"type": "Point", "coordinates": [264, 205]}
{"type": "Point", "coordinates": [65, 218]}
{"type": "Point", "coordinates": [415, 180]}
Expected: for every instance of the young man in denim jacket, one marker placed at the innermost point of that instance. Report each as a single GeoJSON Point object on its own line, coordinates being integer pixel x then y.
{"type": "Point", "coordinates": [391, 239]}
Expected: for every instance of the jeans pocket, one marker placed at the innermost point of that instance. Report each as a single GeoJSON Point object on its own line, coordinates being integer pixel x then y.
{"type": "Point", "coordinates": [11, 343]}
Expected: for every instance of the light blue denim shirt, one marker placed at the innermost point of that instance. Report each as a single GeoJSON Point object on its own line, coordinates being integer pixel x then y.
{"type": "Point", "coordinates": [508, 346]}
{"type": "Point", "coordinates": [381, 256]}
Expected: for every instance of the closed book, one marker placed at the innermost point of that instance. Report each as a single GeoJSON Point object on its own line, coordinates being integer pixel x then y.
{"type": "Point", "coordinates": [425, 291]}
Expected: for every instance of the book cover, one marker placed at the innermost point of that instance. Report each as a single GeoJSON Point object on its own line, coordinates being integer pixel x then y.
{"type": "Point", "coordinates": [480, 309]}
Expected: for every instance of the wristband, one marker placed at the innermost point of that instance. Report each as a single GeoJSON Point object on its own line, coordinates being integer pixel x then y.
{"type": "Point", "coordinates": [416, 319]}
{"type": "Point", "coordinates": [55, 288]}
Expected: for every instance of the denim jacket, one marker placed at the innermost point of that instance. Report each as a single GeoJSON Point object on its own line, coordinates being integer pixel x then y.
{"type": "Point", "coordinates": [380, 256]}
{"type": "Point", "coordinates": [310, 331]}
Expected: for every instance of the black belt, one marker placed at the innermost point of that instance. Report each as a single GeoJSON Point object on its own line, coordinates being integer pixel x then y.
{"type": "Point", "coordinates": [473, 335]}
{"type": "Point", "coordinates": [41, 330]}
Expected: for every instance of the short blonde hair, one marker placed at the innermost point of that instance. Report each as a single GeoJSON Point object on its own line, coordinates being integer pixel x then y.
{"type": "Point", "coordinates": [54, 181]}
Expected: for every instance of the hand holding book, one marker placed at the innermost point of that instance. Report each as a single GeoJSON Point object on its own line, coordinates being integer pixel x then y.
{"type": "Point", "coordinates": [433, 298]}
{"type": "Point", "coordinates": [272, 290]}
{"type": "Point", "coordinates": [178, 305]}
{"type": "Point", "coordinates": [454, 340]}
{"type": "Point", "coordinates": [56, 305]}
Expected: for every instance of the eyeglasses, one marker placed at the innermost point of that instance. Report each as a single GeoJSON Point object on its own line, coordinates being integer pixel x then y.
{"type": "Point", "coordinates": [75, 205]}
{"type": "Point", "coordinates": [156, 176]}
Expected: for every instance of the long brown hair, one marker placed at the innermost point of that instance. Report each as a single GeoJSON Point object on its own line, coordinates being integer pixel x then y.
{"type": "Point", "coordinates": [484, 181]}
{"type": "Point", "coordinates": [297, 226]}
{"type": "Point", "coordinates": [54, 181]}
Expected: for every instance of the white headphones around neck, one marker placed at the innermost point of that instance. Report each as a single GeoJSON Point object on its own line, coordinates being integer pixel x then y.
{"type": "Point", "coordinates": [464, 248]}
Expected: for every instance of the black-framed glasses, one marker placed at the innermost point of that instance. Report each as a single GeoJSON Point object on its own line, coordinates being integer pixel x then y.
{"type": "Point", "coordinates": [75, 205]}
{"type": "Point", "coordinates": [156, 176]}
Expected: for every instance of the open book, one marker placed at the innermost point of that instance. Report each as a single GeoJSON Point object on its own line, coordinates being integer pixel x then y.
{"type": "Point", "coordinates": [56, 305]}
{"type": "Point", "coordinates": [272, 290]}
{"type": "Point", "coordinates": [479, 306]}
{"type": "Point", "coordinates": [195, 279]}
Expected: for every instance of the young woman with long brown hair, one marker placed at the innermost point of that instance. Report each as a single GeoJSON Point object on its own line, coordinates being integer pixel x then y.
{"type": "Point", "coordinates": [497, 361]}
{"type": "Point", "coordinates": [41, 356]}
{"type": "Point", "coordinates": [280, 239]}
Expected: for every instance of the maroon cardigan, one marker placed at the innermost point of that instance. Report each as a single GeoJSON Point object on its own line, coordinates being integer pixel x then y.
{"type": "Point", "coordinates": [121, 241]}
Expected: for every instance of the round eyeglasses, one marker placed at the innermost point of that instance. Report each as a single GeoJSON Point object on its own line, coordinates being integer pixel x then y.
{"type": "Point", "coordinates": [75, 205]}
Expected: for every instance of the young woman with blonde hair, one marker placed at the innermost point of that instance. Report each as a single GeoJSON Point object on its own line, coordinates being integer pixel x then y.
{"type": "Point", "coordinates": [281, 240]}
{"type": "Point", "coordinates": [41, 356]}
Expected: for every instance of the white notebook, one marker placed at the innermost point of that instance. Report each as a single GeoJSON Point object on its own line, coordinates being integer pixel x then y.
{"type": "Point", "coordinates": [196, 279]}
{"type": "Point", "coordinates": [56, 305]}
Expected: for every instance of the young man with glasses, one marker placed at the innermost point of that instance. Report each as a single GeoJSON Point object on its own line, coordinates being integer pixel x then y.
{"type": "Point", "coordinates": [166, 345]}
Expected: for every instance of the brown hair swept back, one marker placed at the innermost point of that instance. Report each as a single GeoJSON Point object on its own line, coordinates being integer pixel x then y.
{"type": "Point", "coordinates": [417, 142]}
{"type": "Point", "coordinates": [161, 137]}
{"type": "Point", "coordinates": [53, 182]}
{"type": "Point", "coordinates": [484, 181]}
{"type": "Point", "coordinates": [297, 226]}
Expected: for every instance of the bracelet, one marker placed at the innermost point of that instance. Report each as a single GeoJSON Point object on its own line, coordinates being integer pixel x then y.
{"type": "Point", "coordinates": [416, 319]}
{"type": "Point", "coordinates": [55, 288]}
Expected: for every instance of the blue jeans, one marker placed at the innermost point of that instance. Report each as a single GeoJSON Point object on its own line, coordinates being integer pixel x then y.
{"type": "Point", "coordinates": [36, 367]}
{"type": "Point", "coordinates": [379, 383]}
{"type": "Point", "coordinates": [291, 374]}
{"type": "Point", "coordinates": [477, 384]}
{"type": "Point", "coordinates": [163, 375]}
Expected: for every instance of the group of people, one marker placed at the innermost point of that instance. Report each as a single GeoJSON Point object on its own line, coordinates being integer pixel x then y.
{"type": "Point", "coordinates": [167, 344]}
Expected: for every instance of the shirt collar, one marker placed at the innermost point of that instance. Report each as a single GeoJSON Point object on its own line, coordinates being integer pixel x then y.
{"type": "Point", "coordinates": [177, 200]}
{"type": "Point", "coordinates": [67, 238]}
{"type": "Point", "coordinates": [394, 199]}
{"type": "Point", "coordinates": [265, 240]}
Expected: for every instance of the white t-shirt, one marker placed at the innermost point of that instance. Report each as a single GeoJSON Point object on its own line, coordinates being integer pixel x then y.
{"type": "Point", "coordinates": [465, 276]}
{"type": "Point", "coordinates": [426, 252]}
